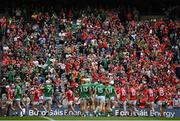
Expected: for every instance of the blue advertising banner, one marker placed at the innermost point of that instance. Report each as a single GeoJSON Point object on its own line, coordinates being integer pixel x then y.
{"type": "Point", "coordinates": [175, 112]}
{"type": "Point", "coordinates": [146, 112]}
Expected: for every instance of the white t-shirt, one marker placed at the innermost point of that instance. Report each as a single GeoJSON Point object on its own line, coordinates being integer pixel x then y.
{"type": "Point", "coordinates": [63, 66]}
{"type": "Point", "coordinates": [62, 35]}
{"type": "Point", "coordinates": [5, 48]}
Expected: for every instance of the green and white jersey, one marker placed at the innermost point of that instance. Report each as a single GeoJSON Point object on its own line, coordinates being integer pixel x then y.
{"type": "Point", "coordinates": [93, 86]}
{"type": "Point", "coordinates": [18, 92]}
{"type": "Point", "coordinates": [110, 91]}
{"type": "Point", "coordinates": [100, 89]}
{"type": "Point", "coordinates": [48, 90]}
{"type": "Point", "coordinates": [84, 90]}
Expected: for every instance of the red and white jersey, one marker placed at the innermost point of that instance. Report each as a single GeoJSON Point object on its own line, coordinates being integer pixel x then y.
{"type": "Point", "coordinates": [122, 93]}
{"type": "Point", "coordinates": [161, 94]}
{"type": "Point", "coordinates": [132, 94]}
{"type": "Point", "coordinates": [151, 95]}
{"type": "Point", "coordinates": [70, 95]}
{"type": "Point", "coordinates": [10, 94]}
{"type": "Point", "coordinates": [36, 95]}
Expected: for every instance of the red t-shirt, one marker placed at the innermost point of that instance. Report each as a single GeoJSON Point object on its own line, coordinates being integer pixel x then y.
{"type": "Point", "coordinates": [94, 75]}
{"type": "Point", "coordinates": [57, 82]}
{"type": "Point", "coordinates": [73, 85]}
{"type": "Point", "coordinates": [84, 36]}
{"type": "Point", "coordinates": [68, 66]}
{"type": "Point", "coordinates": [6, 61]}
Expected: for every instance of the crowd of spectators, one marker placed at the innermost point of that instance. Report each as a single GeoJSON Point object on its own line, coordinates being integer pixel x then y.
{"type": "Point", "coordinates": [94, 43]}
